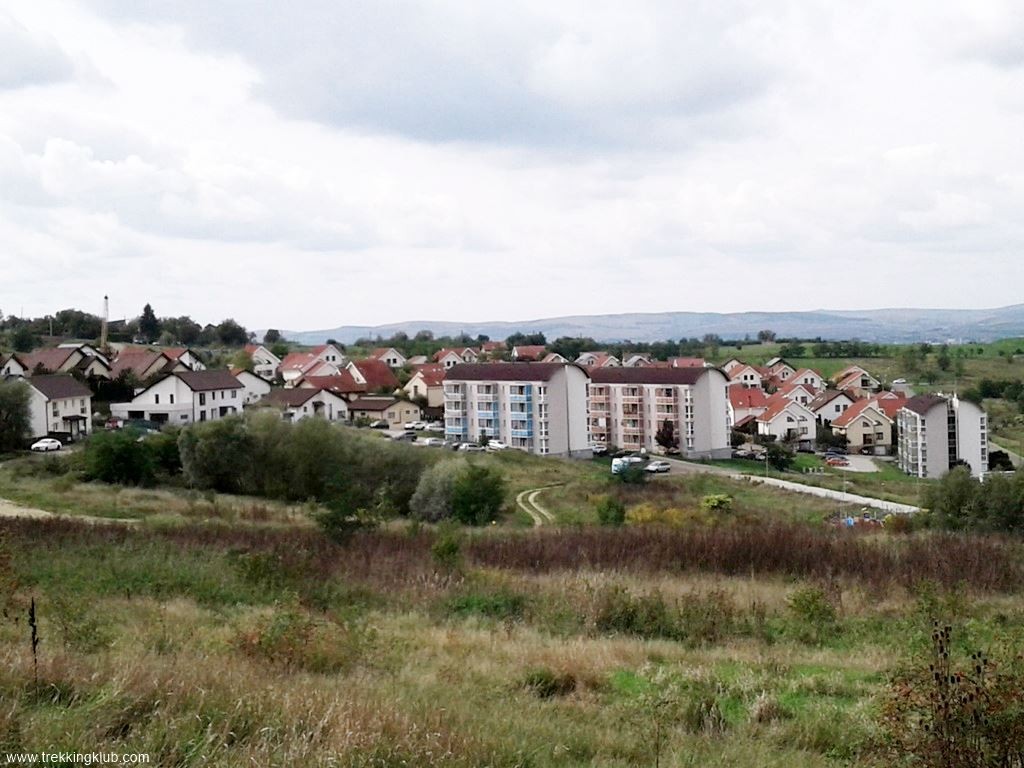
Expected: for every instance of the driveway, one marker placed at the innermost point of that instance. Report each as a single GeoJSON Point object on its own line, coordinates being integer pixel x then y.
{"type": "Point", "coordinates": [860, 464]}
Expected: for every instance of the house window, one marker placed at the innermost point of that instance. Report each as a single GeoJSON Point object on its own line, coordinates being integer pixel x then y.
{"type": "Point", "coordinates": [234, 394]}
{"type": "Point", "coordinates": [172, 398]}
{"type": "Point", "coordinates": [202, 398]}
{"type": "Point", "coordinates": [156, 399]}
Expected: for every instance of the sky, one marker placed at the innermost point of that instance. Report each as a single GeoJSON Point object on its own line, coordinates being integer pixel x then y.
{"type": "Point", "coordinates": [327, 162]}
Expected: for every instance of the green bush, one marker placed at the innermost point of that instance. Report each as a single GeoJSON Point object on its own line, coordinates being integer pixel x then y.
{"type": "Point", "coordinates": [494, 604]}
{"type": "Point", "coordinates": [432, 501]}
{"type": "Point", "coordinates": [121, 456]}
{"type": "Point", "coordinates": [611, 511]}
{"type": "Point", "coordinates": [815, 616]}
{"type": "Point", "coordinates": [478, 495]}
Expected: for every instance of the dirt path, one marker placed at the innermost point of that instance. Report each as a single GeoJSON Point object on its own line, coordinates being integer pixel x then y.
{"type": "Point", "coordinates": [527, 501]}
{"type": "Point", "coordinates": [10, 509]}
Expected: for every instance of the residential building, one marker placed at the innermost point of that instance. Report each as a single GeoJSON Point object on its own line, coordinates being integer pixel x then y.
{"type": "Point", "coordinates": [390, 409]}
{"type": "Point", "coordinates": [428, 382]}
{"type": "Point", "coordinates": [857, 381]}
{"type": "Point", "coordinates": [297, 365]}
{"type": "Point", "coordinates": [390, 356]}
{"type": "Point", "coordinates": [13, 366]}
{"type": "Point", "coordinates": [374, 374]}
{"type": "Point", "coordinates": [540, 408]}
{"type": "Point", "coordinates": [730, 364]}
{"type": "Point", "coordinates": [636, 360]}
{"type": "Point", "coordinates": [185, 356]}
{"type": "Point", "coordinates": [417, 360]}
{"type": "Point", "coordinates": [554, 357]}
{"type": "Point", "coordinates": [185, 397]}
{"type": "Point", "coordinates": [689, 362]}
{"type": "Point", "coordinates": [300, 403]}
{"type": "Point", "coordinates": [59, 405]}
{"type": "Point", "coordinates": [777, 368]}
{"type": "Point", "coordinates": [342, 384]}
{"type": "Point", "coordinates": [447, 358]}
{"type": "Point", "coordinates": [788, 421]}
{"type": "Point", "coordinates": [264, 362]}
{"type": "Point", "coordinates": [627, 407]}
{"type": "Point", "coordinates": [745, 403]}
{"type": "Point", "coordinates": [794, 390]}
{"type": "Point", "coordinates": [143, 364]}
{"type": "Point", "coordinates": [528, 353]}
{"type": "Point", "coordinates": [330, 354]}
{"type": "Point", "coordinates": [809, 378]}
{"type": "Point", "coordinates": [256, 387]}
{"type": "Point", "coordinates": [830, 404]}
{"type": "Point", "coordinates": [937, 431]}
{"type": "Point", "coordinates": [82, 359]}
{"type": "Point", "coordinates": [865, 424]}
{"type": "Point", "coordinates": [597, 360]}
{"type": "Point", "coordinates": [745, 375]}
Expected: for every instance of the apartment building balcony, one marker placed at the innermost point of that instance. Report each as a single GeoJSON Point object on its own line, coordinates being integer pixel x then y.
{"type": "Point", "coordinates": [633, 431]}
{"type": "Point", "coordinates": [524, 433]}
{"type": "Point", "coordinates": [490, 414]}
{"type": "Point", "coordinates": [659, 401]}
{"type": "Point", "coordinates": [631, 399]}
{"type": "Point", "coordinates": [527, 398]}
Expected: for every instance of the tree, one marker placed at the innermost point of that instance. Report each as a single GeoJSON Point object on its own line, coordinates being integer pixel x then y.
{"type": "Point", "coordinates": [119, 457]}
{"type": "Point", "coordinates": [15, 416]}
{"type": "Point", "coordinates": [242, 360]}
{"type": "Point", "coordinates": [779, 456]}
{"type": "Point", "coordinates": [432, 501]}
{"type": "Point", "coordinates": [942, 359]}
{"type": "Point", "coordinates": [666, 436]}
{"type": "Point", "coordinates": [279, 349]}
{"type": "Point", "coordinates": [272, 336]}
{"type": "Point", "coordinates": [765, 336]}
{"type": "Point", "coordinates": [149, 325]}
{"type": "Point", "coordinates": [478, 495]}
{"type": "Point", "coordinates": [231, 334]}
{"type": "Point", "coordinates": [792, 349]}
{"type": "Point", "coordinates": [22, 339]}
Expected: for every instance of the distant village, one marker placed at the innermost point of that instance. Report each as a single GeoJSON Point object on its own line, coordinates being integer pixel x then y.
{"type": "Point", "coordinates": [519, 396]}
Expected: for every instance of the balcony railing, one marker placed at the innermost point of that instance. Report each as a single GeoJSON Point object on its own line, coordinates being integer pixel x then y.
{"type": "Point", "coordinates": [632, 399]}
{"type": "Point", "coordinates": [664, 400]}
{"type": "Point", "coordinates": [527, 398]}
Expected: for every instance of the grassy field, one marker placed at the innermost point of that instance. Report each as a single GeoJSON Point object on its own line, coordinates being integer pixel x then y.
{"type": "Point", "coordinates": [206, 645]}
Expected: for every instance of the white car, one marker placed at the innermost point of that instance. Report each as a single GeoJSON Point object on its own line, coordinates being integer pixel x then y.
{"type": "Point", "coordinates": [417, 425]}
{"type": "Point", "coordinates": [496, 445]}
{"type": "Point", "coordinates": [433, 442]}
{"type": "Point", "coordinates": [435, 426]}
{"type": "Point", "coordinates": [658, 466]}
{"type": "Point", "coordinates": [46, 444]}
{"type": "Point", "coordinates": [471, 448]}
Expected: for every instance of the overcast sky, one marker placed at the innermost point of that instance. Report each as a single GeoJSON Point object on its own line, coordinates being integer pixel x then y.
{"type": "Point", "coordinates": [325, 162]}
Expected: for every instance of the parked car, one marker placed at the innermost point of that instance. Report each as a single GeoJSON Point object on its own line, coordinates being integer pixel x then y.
{"type": "Point", "coordinates": [837, 451]}
{"type": "Point", "coordinates": [471, 448]}
{"type": "Point", "coordinates": [416, 425]}
{"type": "Point", "coordinates": [496, 445]}
{"type": "Point", "coordinates": [598, 449]}
{"type": "Point", "coordinates": [435, 426]}
{"type": "Point", "coordinates": [378, 424]}
{"type": "Point", "coordinates": [408, 435]}
{"type": "Point", "coordinates": [433, 442]}
{"type": "Point", "coordinates": [658, 466]}
{"type": "Point", "coordinates": [837, 461]}
{"type": "Point", "coordinates": [620, 464]}
{"type": "Point", "coordinates": [452, 444]}
{"type": "Point", "coordinates": [46, 444]}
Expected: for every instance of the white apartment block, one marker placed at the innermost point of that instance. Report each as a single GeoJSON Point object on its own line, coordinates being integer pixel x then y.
{"type": "Point", "coordinates": [936, 431]}
{"type": "Point", "coordinates": [540, 408]}
{"type": "Point", "coordinates": [185, 397]}
{"type": "Point", "coordinates": [627, 407]}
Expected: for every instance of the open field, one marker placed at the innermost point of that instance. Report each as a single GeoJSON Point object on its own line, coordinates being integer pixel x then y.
{"type": "Point", "coordinates": [207, 645]}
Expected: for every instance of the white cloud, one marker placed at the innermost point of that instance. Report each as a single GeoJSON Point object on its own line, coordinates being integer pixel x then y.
{"type": "Point", "coordinates": [358, 162]}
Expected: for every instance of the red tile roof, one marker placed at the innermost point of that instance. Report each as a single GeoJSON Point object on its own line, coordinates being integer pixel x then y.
{"type": "Point", "coordinates": [298, 361]}
{"type": "Point", "coordinates": [48, 359]}
{"type": "Point", "coordinates": [687, 362]}
{"type": "Point", "coordinates": [747, 397]}
{"type": "Point", "coordinates": [138, 361]}
{"type": "Point", "coordinates": [529, 352]}
{"type": "Point", "coordinates": [778, 403]}
{"type": "Point", "coordinates": [377, 374]}
{"type": "Point", "coordinates": [342, 383]}
{"type": "Point", "coordinates": [855, 410]}
{"type": "Point", "coordinates": [59, 386]}
{"type": "Point", "coordinates": [432, 375]}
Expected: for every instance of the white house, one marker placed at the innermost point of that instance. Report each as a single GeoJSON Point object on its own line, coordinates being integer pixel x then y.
{"type": "Point", "coordinates": [13, 366]}
{"type": "Point", "coordinates": [857, 381]}
{"type": "Point", "coordinates": [330, 354]}
{"type": "Point", "coordinates": [187, 357]}
{"type": "Point", "coordinates": [185, 397]}
{"type": "Point", "coordinates": [746, 375]}
{"type": "Point", "coordinates": [801, 393]}
{"type": "Point", "coordinates": [256, 387]}
{"type": "Point", "coordinates": [299, 403]}
{"type": "Point", "coordinates": [59, 405]}
{"type": "Point", "coordinates": [810, 379]}
{"type": "Point", "coordinates": [297, 365]}
{"type": "Point", "coordinates": [428, 382]}
{"type": "Point", "coordinates": [830, 404]}
{"type": "Point", "coordinates": [745, 403]}
{"type": "Point", "coordinates": [391, 356]}
{"type": "Point", "coordinates": [264, 362]}
{"type": "Point", "coordinates": [597, 360]}
{"type": "Point", "coordinates": [447, 358]}
{"type": "Point", "coordinates": [637, 360]}
{"type": "Point", "coordinates": [788, 420]}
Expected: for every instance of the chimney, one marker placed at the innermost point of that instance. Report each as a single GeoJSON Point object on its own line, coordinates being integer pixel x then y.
{"type": "Point", "coordinates": [103, 327]}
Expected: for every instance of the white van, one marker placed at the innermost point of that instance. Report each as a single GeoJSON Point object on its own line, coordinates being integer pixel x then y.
{"type": "Point", "coordinates": [619, 465]}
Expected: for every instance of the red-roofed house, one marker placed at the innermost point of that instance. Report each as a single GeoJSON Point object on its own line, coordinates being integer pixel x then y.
{"type": "Point", "coordinates": [256, 387]}
{"type": "Point", "coordinates": [865, 425]}
{"type": "Point", "coordinates": [788, 421]}
{"type": "Point", "coordinates": [856, 380]}
{"type": "Point", "coordinates": [144, 363]}
{"type": "Point", "coordinates": [185, 356]}
{"type": "Point", "coordinates": [829, 404]}
{"type": "Point", "coordinates": [596, 360]}
{"type": "Point", "coordinates": [809, 378]}
{"type": "Point", "coordinates": [300, 403]}
{"type": "Point", "coordinates": [185, 397]}
{"type": "Point", "coordinates": [264, 362]}
{"type": "Point", "coordinates": [297, 365]}
{"type": "Point", "coordinates": [449, 357]}
{"type": "Point", "coordinates": [528, 352]}
{"type": "Point", "coordinates": [330, 354]}
{"type": "Point", "coordinates": [687, 362]}
{"type": "Point", "coordinates": [745, 375]}
{"type": "Point", "coordinates": [342, 384]}
{"type": "Point", "coordinates": [428, 382]}
{"type": "Point", "coordinates": [375, 374]}
{"type": "Point", "coordinates": [794, 390]}
{"type": "Point", "coordinates": [745, 402]}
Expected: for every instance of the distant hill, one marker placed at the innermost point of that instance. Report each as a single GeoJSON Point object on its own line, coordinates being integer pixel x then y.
{"type": "Point", "coordinates": [881, 325]}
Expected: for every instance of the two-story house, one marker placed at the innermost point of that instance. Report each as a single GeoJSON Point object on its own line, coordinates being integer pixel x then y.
{"type": "Point", "coordinates": [59, 405]}
{"type": "Point", "coordinates": [185, 397]}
